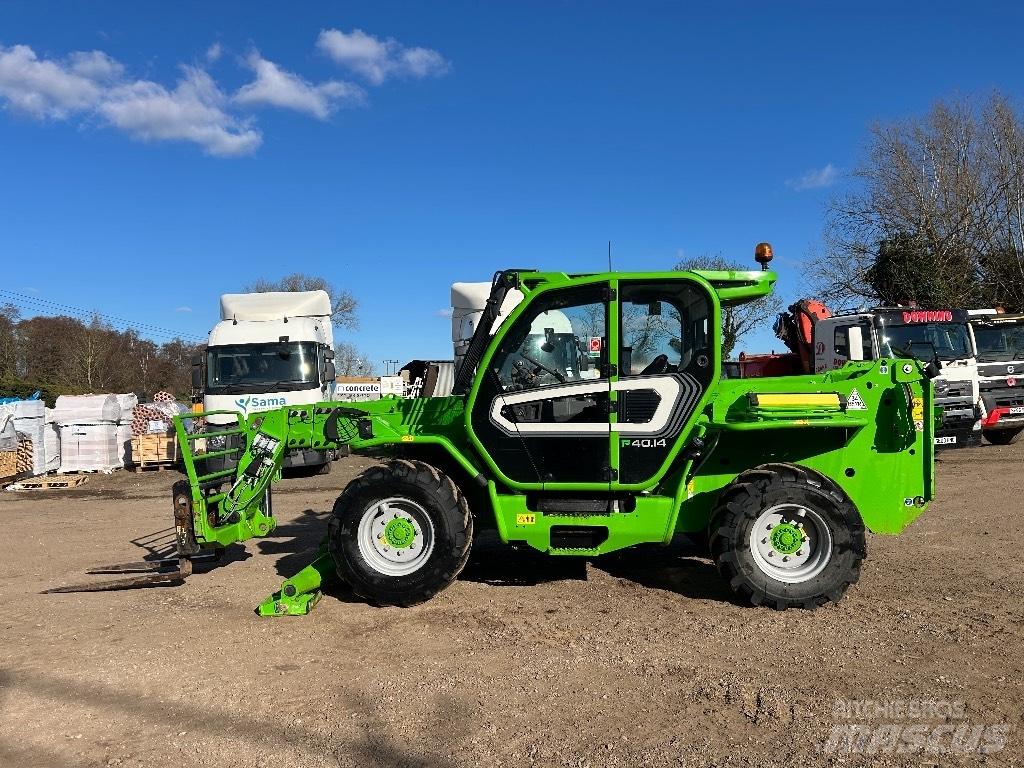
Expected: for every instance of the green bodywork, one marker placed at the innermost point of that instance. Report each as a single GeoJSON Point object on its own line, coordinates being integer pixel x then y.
{"type": "Point", "coordinates": [873, 440]}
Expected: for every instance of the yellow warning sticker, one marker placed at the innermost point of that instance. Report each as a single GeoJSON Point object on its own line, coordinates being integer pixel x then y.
{"type": "Point", "coordinates": [407, 438]}
{"type": "Point", "coordinates": [529, 519]}
{"type": "Point", "coordinates": [917, 414]}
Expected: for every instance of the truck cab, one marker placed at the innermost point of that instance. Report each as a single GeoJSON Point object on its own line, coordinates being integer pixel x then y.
{"type": "Point", "coordinates": [270, 350]}
{"type": "Point", "coordinates": [910, 332]}
{"type": "Point", "coordinates": [999, 341]}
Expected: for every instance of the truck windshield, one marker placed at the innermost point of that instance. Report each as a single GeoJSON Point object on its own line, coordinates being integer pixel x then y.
{"type": "Point", "coordinates": [273, 367]}
{"type": "Point", "coordinates": [1000, 343]}
{"type": "Point", "coordinates": [925, 340]}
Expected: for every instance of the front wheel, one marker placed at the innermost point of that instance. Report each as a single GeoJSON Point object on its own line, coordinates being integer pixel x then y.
{"type": "Point", "coordinates": [786, 537]}
{"type": "Point", "coordinates": [1002, 436]}
{"type": "Point", "coordinates": [400, 533]}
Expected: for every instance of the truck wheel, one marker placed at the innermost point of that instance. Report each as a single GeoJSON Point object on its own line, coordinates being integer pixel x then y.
{"type": "Point", "coordinates": [786, 537]}
{"type": "Point", "coordinates": [1002, 436]}
{"type": "Point", "coordinates": [400, 533]}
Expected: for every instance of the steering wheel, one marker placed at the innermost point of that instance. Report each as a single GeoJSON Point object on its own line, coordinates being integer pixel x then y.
{"type": "Point", "coordinates": [542, 367]}
{"type": "Point", "coordinates": [656, 366]}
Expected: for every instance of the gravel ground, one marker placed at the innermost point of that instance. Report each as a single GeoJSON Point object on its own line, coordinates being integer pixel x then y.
{"type": "Point", "coordinates": [640, 658]}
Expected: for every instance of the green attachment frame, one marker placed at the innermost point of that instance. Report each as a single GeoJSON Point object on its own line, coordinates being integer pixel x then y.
{"type": "Point", "coordinates": [300, 594]}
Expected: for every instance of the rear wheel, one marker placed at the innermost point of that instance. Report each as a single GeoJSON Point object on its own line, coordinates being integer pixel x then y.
{"type": "Point", "coordinates": [1002, 436]}
{"type": "Point", "coordinates": [400, 533]}
{"type": "Point", "coordinates": [786, 537]}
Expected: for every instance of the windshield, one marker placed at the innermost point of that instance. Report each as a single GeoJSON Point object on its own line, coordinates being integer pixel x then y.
{"type": "Point", "coordinates": [277, 366]}
{"type": "Point", "coordinates": [1000, 343]}
{"type": "Point", "coordinates": [926, 340]}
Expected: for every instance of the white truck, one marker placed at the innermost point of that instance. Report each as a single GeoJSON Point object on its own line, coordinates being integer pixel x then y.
{"type": "Point", "coordinates": [911, 332]}
{"type": "Point", "coordinates": [269, 350]}
{"type": "Point", "coordinates": [999, 341]}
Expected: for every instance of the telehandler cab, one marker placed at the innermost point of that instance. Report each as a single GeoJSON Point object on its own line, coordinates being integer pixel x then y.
{"type": "Point", "coordinates": [589, 417]}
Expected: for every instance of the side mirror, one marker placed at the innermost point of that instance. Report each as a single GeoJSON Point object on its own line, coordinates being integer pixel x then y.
{"type": "Point", "coordinates": [330, 372]}
{"type": "Point", "coordinates": [582, 354]}
{"type": "Point", "coordinates": [856, 342]}
{"type": "Point", "coordinates": [197, 372]}
{"type": "Point", "coordinates": [549, 340]}
{"type": "Point", "coordinates": [328, 354]}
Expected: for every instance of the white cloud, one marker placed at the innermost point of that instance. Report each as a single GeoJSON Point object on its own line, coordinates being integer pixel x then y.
{"type": "Point", "coordinates": [46, 89]}
{"type": "Point", "coordinates": [277, 87]}
{"type": "Point", "coordinates": [183, 309]}
{"type": "Point", "coordinates": [816, 178]}
{"type": "Point", "coordinates": [213, 53]}
{"type": "Point", "coordinates": [193, 111]}
{"type": "Point", "coordinates": [95, 65]}
{"type": "Point", "coordinates": [377, 59]}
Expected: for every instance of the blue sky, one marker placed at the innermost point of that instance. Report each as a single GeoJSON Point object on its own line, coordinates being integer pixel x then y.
{"type": "Point", "coordinates": [154, 156]}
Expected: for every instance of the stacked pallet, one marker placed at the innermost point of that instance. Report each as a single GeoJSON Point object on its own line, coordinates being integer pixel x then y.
{"type": "Point", "coordinates": [19, 462]}
{"type": "Point", "coordinates": [8, 465]}
{"type": "Point", "coordinates": [155, 452]}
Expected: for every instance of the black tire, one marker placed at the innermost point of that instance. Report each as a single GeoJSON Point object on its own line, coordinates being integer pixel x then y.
{"type": "Point", "coordinates": [1003, 436]}
{"type": "Point", "coordinates": [766, 487]}
{"type": "Point", "coordinates": [325, 468]}
{"type": "Point", "coordinates": [449, 517]}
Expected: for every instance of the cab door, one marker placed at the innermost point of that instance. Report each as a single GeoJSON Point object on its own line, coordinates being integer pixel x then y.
{"type": "Point", "coordinates": [670, 352]}
{"type": "Point", "coordinates": [541, 409]}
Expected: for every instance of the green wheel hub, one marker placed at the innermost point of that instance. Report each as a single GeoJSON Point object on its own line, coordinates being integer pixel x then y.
{"type": "Point", "coordinates": [399, 533]}
{"type": "Point", "coordinates": [786, 538]}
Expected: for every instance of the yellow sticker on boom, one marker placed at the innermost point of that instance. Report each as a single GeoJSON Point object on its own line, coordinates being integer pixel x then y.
{"type": "Point", "coordinates": [917, 414]}
{"type": "Point", "coordinates": [529, 519]}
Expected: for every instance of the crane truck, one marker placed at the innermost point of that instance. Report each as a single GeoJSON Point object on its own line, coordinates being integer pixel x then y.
{"type": "Point", "coordinates": [820, 341]}
{"type": "Point", "coordinates": [999, 340]}
{"type": "Point", "coordinates": [589, 413]}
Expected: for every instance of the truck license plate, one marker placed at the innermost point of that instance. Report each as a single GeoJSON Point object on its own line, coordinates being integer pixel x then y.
{"type": "Point", "coordinates": [946, 440]}
{"type": "Point", "coordinates": [1017, 411]}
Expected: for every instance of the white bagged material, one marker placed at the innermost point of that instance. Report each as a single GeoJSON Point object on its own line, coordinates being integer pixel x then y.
{"type": "Point", "coordinates": [29, 409]}
{"type": "Point", "coordinates": [51, 445]}
{"type": "Point", "coordinates": [8, 434]}
{"type": "Point", "coordinates": [127, 402]}
{"type": "Point", "coordinates": [124, 442]}
{"type": "Point", "coordinates": [86, 447]}
{"type": "Point", "coordinates": [87, 409]}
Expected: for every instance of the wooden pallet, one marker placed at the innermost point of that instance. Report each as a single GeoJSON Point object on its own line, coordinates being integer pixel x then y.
{"type": "Point", "coordinates": [47, 482]}
{"type": "Point", "coordinates": [154, 449]}
{"type": "Point", "coordinates": [154, 466]}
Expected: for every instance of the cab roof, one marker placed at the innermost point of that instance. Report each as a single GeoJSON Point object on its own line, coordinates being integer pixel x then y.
{"type": "Point", "coordinates": [731, 286]}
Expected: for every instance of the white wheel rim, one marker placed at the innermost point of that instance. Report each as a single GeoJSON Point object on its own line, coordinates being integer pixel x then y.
{"type": "Point", "coordinates": [402, 549]}
{"type": "Point", "coordinates": [782, 563]}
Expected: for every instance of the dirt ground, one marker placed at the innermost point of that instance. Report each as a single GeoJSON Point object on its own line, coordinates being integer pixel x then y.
{"type": "Point", "coordinates": [635, 659]}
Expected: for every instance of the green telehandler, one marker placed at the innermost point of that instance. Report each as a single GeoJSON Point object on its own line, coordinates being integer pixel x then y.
{"type": "Point", "coordinates": [590, 416]}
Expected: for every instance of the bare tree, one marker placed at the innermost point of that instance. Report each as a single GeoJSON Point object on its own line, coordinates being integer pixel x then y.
{"type": "Point", "coordinates": [349, 361]}
{"type": "Point", "coordinates": [739, 320]}
{"type": "Point", "coordinates": [343, 303]}
{"type": "Point", "coordinates": [936, 214]}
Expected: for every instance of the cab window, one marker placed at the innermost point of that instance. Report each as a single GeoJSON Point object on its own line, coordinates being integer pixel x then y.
{"type": "Point", "coordinates": [561, 338]}
{"type": "Point", "coordinates": [666, 328]}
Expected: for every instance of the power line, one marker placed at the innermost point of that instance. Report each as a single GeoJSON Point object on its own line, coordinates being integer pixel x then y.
{"type": "Point", "coordinates": [81, 313]}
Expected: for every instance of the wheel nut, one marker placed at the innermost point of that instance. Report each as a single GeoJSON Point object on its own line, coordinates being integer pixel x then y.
{"type": "Point", "coordinates": [799, 553]}
{"type": "Point", "coordinates": [785, 559]}
{"type": "Point", "coordinates": [771, 553]}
